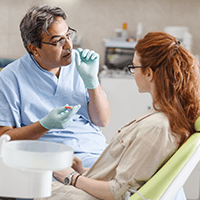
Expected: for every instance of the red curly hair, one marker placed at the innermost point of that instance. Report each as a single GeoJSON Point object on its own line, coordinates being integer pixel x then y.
{"type": "Point", "coordinates": [177, 80]}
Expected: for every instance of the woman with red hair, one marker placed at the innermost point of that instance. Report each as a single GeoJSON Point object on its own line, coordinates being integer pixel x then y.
{"type": "Point", "coordinates": [174, 73]}
{"type": "Point", "coordinates": [163, 68]}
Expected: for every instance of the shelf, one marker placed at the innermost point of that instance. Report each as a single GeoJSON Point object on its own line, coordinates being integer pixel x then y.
{"type": "Point", "coordinates": [119, 44]}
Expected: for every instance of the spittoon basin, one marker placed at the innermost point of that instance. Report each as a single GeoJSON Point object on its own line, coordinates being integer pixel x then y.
{"type": "Point", "coordinates": [37, 155]}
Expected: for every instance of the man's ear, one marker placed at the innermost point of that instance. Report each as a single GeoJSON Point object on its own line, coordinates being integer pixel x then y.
{"type": "Point", "coordinates": [33, 49]}
{"type": "Point", "coordinates": [149, 74]}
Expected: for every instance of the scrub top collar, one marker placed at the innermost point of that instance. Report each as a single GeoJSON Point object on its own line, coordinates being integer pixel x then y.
{"type": "Point", "coordinates": [36, 63]}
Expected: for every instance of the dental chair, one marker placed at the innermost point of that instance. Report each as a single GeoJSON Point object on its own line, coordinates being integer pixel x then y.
{"type": "Point", "coordinates": [167, 182]}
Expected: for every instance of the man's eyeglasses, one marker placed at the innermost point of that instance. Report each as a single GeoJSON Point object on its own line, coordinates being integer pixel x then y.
{"type": "Point", "coordinates": [71, 33]}
{"type": "Point", "coordinates": [132, 67]}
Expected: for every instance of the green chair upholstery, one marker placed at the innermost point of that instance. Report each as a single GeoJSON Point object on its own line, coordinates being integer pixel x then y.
{"type": "Point", "coordinates": [167, 182]}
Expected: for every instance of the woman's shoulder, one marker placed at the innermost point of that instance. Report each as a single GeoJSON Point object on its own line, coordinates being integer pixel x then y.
{"type": "Point", "coordinates": [154, 118]}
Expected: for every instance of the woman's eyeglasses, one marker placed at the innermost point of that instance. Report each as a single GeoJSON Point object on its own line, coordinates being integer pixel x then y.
{"type": "Point", "coordinates": [61, 42]}
{"type": "Point", "coordinates": [132, 67]}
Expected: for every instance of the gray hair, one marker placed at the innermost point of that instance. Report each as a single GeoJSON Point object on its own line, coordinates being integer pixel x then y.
{"type": "Point", "coordinates": [37, 20]}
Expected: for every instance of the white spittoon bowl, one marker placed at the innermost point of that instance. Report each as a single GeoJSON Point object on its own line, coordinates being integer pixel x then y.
{"type": "Point", "coordinates": [37, 155]}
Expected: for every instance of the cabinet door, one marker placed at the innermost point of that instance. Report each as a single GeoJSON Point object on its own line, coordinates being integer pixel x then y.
{"type": "Point", "coordinates": [125, 101]}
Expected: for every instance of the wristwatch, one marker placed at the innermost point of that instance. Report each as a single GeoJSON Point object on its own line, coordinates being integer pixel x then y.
{"type": "Point", "coordinates": [68, 178]}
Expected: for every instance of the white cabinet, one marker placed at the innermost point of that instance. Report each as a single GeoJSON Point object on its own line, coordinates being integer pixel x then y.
{"type": "Point", "coordinates": [125, 101]}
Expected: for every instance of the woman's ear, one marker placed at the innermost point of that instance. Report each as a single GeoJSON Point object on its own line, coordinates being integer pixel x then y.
{"type": "Point", "coordinates": [33, 49]}
{"type": "Point", "coordinates": [149, 74]}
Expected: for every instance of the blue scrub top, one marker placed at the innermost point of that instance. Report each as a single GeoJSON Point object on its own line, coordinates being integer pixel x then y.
{"type": "Point", "coordinates": [28, 93]}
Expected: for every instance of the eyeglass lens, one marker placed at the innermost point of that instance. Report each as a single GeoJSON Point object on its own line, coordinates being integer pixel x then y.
{"type": "Point", "coordinates": [131, 69]}
{"type": "Point", "coordinates": [71, 35]}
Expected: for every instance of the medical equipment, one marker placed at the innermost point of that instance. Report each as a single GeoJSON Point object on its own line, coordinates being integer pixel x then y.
{"type": "Point", "coordinates": [26, 166]}
{"type": "Point", "coordinates": [68, 107]}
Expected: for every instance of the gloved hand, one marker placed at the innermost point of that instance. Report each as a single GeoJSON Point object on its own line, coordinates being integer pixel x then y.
{"type": "Point", "coordinates": [59, 118]}
{"type": "Point", "coordinates": [87, 64]}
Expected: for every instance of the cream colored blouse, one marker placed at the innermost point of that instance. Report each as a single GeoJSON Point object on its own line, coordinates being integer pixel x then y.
{"type": "Point", "coordinates": [134, 154]}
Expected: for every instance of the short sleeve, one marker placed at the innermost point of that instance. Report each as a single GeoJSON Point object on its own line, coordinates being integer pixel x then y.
{"type": "Point", "coordinates": [142, 157]}
{"type": "Point", "coordinates": [9, 106]}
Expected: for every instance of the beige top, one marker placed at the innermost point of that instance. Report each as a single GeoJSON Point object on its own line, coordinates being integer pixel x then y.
{"type": "Point", "coordinates": [133, 156]}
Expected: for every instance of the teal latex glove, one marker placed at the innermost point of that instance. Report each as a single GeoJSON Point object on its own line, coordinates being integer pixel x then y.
{"type": "Point", "coordinates": [59, 118]}
{"type": "Point", "coordinates": [87, 64]}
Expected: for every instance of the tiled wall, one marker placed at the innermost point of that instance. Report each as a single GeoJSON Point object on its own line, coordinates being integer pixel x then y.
{"type": "Point", "coordinates": [95, 19]}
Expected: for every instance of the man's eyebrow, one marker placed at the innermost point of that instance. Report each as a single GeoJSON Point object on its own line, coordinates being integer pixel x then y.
{"type": "Point", "coordinates": [55, 36]}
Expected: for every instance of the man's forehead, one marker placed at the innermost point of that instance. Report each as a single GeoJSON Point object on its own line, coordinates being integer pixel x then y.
{"type": "Point", "coordinates": [57, 27]}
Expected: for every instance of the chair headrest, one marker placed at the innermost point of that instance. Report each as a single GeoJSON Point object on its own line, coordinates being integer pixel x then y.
{"type": "Point", "coordinates": [197, 124]}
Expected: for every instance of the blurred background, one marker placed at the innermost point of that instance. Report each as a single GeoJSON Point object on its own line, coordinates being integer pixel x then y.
{"type": "Point", "coordinates": [96, 20]}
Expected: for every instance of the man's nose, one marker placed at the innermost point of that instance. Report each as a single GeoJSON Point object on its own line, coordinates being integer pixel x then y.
{"type": "Point", "coordinates": [68, 44]}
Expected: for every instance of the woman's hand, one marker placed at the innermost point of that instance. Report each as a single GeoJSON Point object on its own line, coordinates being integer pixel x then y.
{"type": "Point", "coordinates": [60, 175]}
{"type": "Point", "coordinates": [97, 188]}
{"type": "Point", "coordinates": [78, 165]}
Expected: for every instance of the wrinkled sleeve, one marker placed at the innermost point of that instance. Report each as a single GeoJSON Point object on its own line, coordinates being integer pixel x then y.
{"type": "Point", "coordinates": [9, 106]}
{"type": "Point", "coordinates": [141, 158]}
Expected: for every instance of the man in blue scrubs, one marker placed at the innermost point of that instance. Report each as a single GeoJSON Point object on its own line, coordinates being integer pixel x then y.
{"type": "Point", "coordinates": [36, 87]}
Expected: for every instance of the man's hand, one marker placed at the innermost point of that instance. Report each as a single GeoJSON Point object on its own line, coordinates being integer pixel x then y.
{"type": "Point", "coordinates": [87, 64]}
{"type": "Point", "coordinates": [59, 118]}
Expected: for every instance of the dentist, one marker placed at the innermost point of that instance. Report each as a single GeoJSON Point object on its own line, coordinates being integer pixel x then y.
{"type": "Point", "coordinates": [36, 88]}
